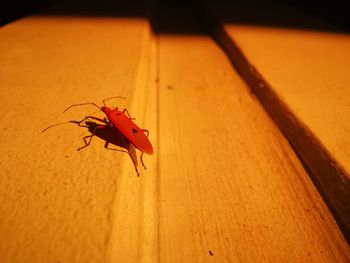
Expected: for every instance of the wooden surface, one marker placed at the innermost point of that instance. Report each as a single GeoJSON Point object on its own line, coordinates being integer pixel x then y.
{"type": "Point", "coordinates": [229, 182]}
{"type": "Point", "coordinates": [58, 204]}
{"type": "Point", "coordinates": [297, 65]}
{"type": "Point", "coordinates": [223, 185]}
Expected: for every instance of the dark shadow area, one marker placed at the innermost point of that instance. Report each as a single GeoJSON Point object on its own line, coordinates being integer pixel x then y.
{"type": "Point", "coordinates": [172, 17]}
{"type": "Point", "coordinates": [79, 8]}
{"type": "Point", "coordinates": [103, 131]}
{"type": "Point", "coordinates": [109, 134]}
{"type": "Point", "coordinates": [103, 8]}
{"type": "Point", "coordinates": [13, 10]}
{"type": "Point", "coordinates": [272, 13]}
{"type": "Point", "coordinates": [335, 11]}
{"type": "Point", "coordinates": [176, 17]}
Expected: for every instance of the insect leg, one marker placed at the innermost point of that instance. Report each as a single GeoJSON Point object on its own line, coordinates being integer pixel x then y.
{"type": "Point", "coordinates": [135, 165]}
{"type": "Point", "coordinates": [97, 119]}
{"type": "Point", "coordinates": [128, 114]}
{"type": "Point", "coordinates": [143, 164]}
{"type": "Point", "coordinates": [147, 133]}
{"type": "Point", "coordinates": [113, 149]}
{"type": "Point", "coordinates": [80, 122]}
{"type": "Point", "coordinates": [87, 143]}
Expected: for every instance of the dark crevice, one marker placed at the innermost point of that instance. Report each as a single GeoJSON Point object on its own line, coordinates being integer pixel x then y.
{"type": "Point", "coordinates": [331, 180]}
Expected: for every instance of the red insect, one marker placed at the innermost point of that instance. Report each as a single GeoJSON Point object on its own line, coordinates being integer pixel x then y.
{"type": "Point", "coordinates": [117, 118]}
{"type": "Point", "coordinates": [119, 121]}
{"type": "Point", "coordinates": [110, 135]}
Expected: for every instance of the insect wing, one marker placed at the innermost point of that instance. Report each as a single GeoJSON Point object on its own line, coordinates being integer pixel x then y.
{"type": "Point", "coordinates": [131, 131]}
{"type": "Point", "coordinates": [132, 154]}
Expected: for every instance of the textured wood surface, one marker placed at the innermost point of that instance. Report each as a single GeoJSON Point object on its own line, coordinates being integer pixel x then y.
{"type": "Point", "coordinates": [229, 182]}
{"type": "Point", "coordinates": [223, 185]}
{"type": "Point", "coordinates": [58, 204]}
{"type": "Point", "coordinates": [297, 65]}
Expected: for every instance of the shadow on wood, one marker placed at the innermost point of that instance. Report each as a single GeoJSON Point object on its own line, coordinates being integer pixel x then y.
{"type": "Point", "coordinates": [110, 135]}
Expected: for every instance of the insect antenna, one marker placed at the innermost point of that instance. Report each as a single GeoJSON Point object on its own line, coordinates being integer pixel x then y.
{"type": "Point", "coordinates": [114, 97]}
{"type": "Point", "coordinates": [80, 104]}
{"type": "Point", "coordinates": [57, 124]}
{"type": "Point", "coordinates": [94, 112]}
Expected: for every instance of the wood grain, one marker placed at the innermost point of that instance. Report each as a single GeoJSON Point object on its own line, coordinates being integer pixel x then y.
{"type": "Point", "coordinates": [296, 64]}
{"type": "Point", "coordinates": [231, 187]}
{"type": "Point", "coordinates": [223, 185]}
{"type": "Point", "coordinates": [57, 204]}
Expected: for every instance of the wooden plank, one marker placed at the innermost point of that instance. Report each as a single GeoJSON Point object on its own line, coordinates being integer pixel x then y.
{"type": "Point", "coordinates": [57, 204]}
{"type": "Point", "coordinates": [231, 188]}
{"type": "Point", "coordinates": [197, 201]}
{"type": "Point", "coordinates": [135, 229]}
{"type": "Point", "coordinates": [297, 66]}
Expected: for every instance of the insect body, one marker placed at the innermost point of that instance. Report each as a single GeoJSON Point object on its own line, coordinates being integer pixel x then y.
{"type": "Point", "coordinates": [129, 129]}
{"type": "Point", "coordinates": [124, 123]}
{"type": "Point", "coordinates": [110, 135]}
{"type": "Point", "coordinates": [118, 129]}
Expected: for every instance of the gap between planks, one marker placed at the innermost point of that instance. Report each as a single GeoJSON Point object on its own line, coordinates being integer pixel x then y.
{"type": "Point", "coordinates": [329, 176]}
{"type": "Point", "coordinates": [210, 157]}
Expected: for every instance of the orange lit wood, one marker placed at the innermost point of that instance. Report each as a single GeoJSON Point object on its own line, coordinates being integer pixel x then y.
{"type": "Point", "coordinates": [58, 204]}
{"type": "Point", "coordinates": [300, 74]}
{"type": "Point", "coordinates": [231, 187]}
{"type": "Point", "coordinates": [223, 185]}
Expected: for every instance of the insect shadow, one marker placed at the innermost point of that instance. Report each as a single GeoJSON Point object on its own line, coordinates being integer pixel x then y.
{"type": "Point", "coordinates": [110, 135]}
